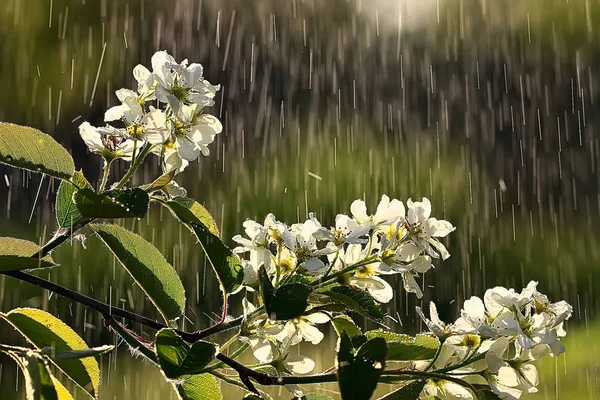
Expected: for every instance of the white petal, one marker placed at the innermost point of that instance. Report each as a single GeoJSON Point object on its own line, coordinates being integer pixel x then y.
{"type": "Point", "coordinates": [317, 318]}
{"type": "Point", "coordinates": [358, 208]}
{"type": "Point", "coordinates": [262, 349]}
{"type": "Point", "coordinates": [310, 333]}
{"type": "Point", "coordinates": [411, 285]}
{"type": "Point", "coordinates": [407, 252]}
{"type": "Point", "coordinates": [91, 137]}
{"type": "Point", "coordinates": [188, 150]}
{"type": "Point", "coordinates": [122, 94]}
{"type": "Point", "coordinates": [300, 364]}
{"type": "Point", "coordinates": [114, 113]}
{"type": "Point", "coordinates": [437, 228]}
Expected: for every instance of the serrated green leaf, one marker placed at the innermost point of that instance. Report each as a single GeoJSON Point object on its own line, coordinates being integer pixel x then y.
{"type": "Point", "coordinates": [285, 302]}
{"type": "Point", "coordinates": [40, 384]}
{"type": "Point", "coordinates": [486, 394]}
{"type": "Point", "coordinates": [357, 300]}
{"type": "Point", "coordinates": [67, 212]}
{"type": "Point", "coordinates": [28, 148]}
{"type": "Point", "coordinates": [407, 392]}
{"type": "Point", "coordinates": [44, 330]}
{"type": "Point", "coordinates": [343, 323]}
{"type": "Point", "coordinates": [200, 387]}
{"type": "Point", "coordinates": [18, 254]}
{"type": "Point", "coordinates": [176, 358]}
{"type": "Point", "coordinates": [359, 371]}
{"type": "Point", "coordinates": [227, 266]}
{"type": "Point", "coordinates": [117, 203]}
{"type": "Point", "coordinates": [160, 182]}
{"type": "Point", "coordinates": [407, 348]}
{"type": "Point", "coordinates": [147, 267]}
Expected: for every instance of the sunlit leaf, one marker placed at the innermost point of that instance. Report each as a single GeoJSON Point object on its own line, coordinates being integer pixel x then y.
{"type": "Point", "coordinates": [177, 358]}
{"type": "Point", "coordinates": [28, 148]}
{"type": "Point", "coordinates": [285, 302]}
{"type": "Point", "coordinates": [405, 348]}
{"type": "Point", "coordinates": [160, 182]}
{"type": "Point", "coordinates": [200, 387]}
{"type": "Point", "coordinates": [67, 212]}
{"type": "Point", "coordinates": [316, 396]}
{"type": "Point", "coordinates": [147, 267]}
{"type": "Point", "coordinates": [359, 370]}
{"type": "Point", "coordinates": [357, 300]}
{"type": "Point", "coordinates": [117, 203]}
{"type": "Point", "coordinates": [18, 254]}
{"type": "Point", "coordinates": [227, 266]}
{"type": "Point", "coordinates": [343, 323]}
{"type": "Point", "coordinates": [407, 392]}
{"type": "Point", "coordinates": [40, 384]}
{"type": "Point", "coordinates": [44, 330]}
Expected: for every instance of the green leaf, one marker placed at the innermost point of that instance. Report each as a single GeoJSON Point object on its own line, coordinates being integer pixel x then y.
{"type": "Point", "coordinates": [200, 387]}
{"type": "Point", "coordinates": [177, 358]}
{"type": "Point", "coordinates": [28, 148]}
{"type": "Point", "coordinates": [67, 212]}
{"type": "Point", "coordinates": [227, 266]}
{"type": "Point", "coordinates": [117, 203]}
{"type": "Point", "coordinates": [40, 384]}
{"type": "Point", "coordinates": [286, 302]}
{"type": "Point", "coordinates": [44, 330]}
{"type": "Point", "coordinates": [18, 254]}
{"type": "Point", "coordinates": [160, 182]}
{"type": "Point", "coordinates": [74, 355]}
{"type": "Point", "coordinates": [407, 392]}
{"type": "Point", "coordinates": [147, 267]}
{"type": "Point", "coordinates": [407, 348]}
{"type": "Point", "coordinates": [343, 323]}
{"type": "Point", "coordinates": [486, 394]}
{"type": "Point", "coordinates": [359, 371]}
{"type": "Point", "coordinates": [357, 300]}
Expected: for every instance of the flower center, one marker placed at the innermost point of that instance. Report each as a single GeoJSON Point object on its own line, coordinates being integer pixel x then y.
{"type": "Point", "coordinates": [180, 92]}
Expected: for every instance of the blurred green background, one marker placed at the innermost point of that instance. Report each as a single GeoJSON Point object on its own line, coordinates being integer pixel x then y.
{"type": "Point", "coordinates": [488, 108]}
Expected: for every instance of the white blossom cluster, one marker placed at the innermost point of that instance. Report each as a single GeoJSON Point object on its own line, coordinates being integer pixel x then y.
{"type": "Point", "coordinates": [394, 240]}
{"type": "Point", "coordinates": [166, 112]}
{"type": "Point", "coordinates": [495, 341]}
{"type": "Point", "coordinates": [391, 241]}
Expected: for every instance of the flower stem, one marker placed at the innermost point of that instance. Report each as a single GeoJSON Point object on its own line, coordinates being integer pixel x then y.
{"type": "Point", "coordinates": [135, 164]}
{"type": "Point", "coordinates": [107, 164]}
{"type": "Point", "coordinates": [350, 268]}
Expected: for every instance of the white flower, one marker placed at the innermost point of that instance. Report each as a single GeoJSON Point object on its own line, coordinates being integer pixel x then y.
{"type": "Point", "coordinates": [365, 277]}
{"type": "Point", "coordinates": [435, 324]}
{"type": "Point", "coordinates": [194, 131]}
{"type": "Point", "coordinates": [388, 212]}
{"type": "Point", "coordinates": [146, 83]}
{"type": "Point", "coordinates": [425, 230]}
{"type": "Point", "coordinates": [302, 328]}
{"type": "Point", "coordinates": [150, 126]}
{"type": "Point", "coordinates": [508, 378]}
{"type": "Point", "coordinates": [300, 239]}
{"type": "Point", "coordinates": [474, 319]}
{"type": "Point", "coordinates": [446, 390]}
{"type": "Point", "coordinates": [107, 141]}
{"type": "Point", "coordinates": [346, 230]}
{"type": "Point", "coordinates": [179, 84]}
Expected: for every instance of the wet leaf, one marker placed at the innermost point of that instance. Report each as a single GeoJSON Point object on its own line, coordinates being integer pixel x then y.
{"type": "Point", "coordinates": [67, 212]}
{"type": "Point", "coordinates": [28, 148]}
{"type": "Point", "coordinates": [405, 348]}
{"type": "Point", "coordinates": [200, 387]}
{"type": "Point", "coordinates": [227, 266]}
{"type": "Point", "coordinates": [407, 392]}
{"type": "Point", "coordinates": [359, 370]}
{"type": "Point", "coordinates": [160, 182]}
{"type": "Point", "coordinates": [18, 254]}
{"type": "Point", "coordinates": [357, 300]}
{"type": "Point", "coordinates": [343, 323]}
{"type": "Point", "coordinates": [285, 302]}
{"type": "Point", "coordinates": [40, 384]}
{"type": "Point", "coordinates": [44, 330]}
{"type": "Point", "coordinates": [118, 203]}
{"type": "Point", "coordinates": [147, 267]}
{"type": "Point", "coordinates": [177, 358]}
